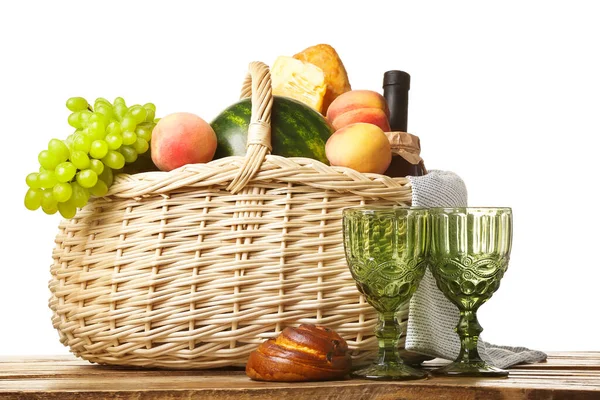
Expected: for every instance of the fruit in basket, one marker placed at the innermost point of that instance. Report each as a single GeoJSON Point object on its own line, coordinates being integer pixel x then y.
{"type": "Point", "coordinates": [361, 146]}
{"type": "Point", "coordinates": [359, 106]}
{"type": "Point", "coordinates": [325, 57]}
{"type": "Point", "coordinates": [298, 80]}
{"type": "Point", "coordinates": [182, 138]}
{"type": "Point", "coordinates": [107, 137]}
{"type": "Point", "coordinates": [297, 130]}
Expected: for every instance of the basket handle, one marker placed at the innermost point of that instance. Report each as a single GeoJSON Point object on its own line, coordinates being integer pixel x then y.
{"type": "Point", "coordinates": [258, 86]}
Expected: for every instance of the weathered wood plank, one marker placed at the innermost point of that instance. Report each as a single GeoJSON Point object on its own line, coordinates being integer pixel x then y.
{"type": "Point", "coordinates": [563, 376]}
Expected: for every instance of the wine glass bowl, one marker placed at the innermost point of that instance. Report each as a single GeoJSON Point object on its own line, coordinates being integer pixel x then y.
{"type": "Point", "coordinates": [469, 254]}
{"type": "Point", "coordinates": [386, 250]}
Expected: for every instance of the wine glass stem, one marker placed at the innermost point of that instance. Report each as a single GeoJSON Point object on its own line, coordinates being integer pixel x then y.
{"type": "Point", "coordinates": [468, 329]}
{"type": "Point", "coordinates": [388, 335]}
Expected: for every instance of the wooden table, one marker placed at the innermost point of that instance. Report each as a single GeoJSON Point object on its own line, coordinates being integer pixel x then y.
{"type": "Point", "coordinates": [564, 376]}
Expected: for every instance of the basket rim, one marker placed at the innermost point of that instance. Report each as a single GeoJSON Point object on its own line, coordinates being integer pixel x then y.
{"type": "Point", "coordinates": [275, 169]}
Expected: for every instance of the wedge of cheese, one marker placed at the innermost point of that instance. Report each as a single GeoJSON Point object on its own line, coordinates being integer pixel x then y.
{"type": "Point", "coordinates": [299, 80]}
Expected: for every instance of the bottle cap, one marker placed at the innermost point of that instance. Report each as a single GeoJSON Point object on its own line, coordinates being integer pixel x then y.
{"type": "Point", "coordinates": [396, 77]}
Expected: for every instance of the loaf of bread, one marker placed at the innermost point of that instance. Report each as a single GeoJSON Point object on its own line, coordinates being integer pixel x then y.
{"type": "Point", "coordinates": [325, 57]}
{"type": "Point", "coordinates": [306, 353]}
{"type": "Point", "coordinates": [298, 80]}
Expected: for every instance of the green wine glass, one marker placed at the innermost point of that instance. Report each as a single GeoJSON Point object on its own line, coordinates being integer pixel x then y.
{"type": "Point", "coordinates": [470, 249]}
{"type": "Point", "coordinates": [386, 250]}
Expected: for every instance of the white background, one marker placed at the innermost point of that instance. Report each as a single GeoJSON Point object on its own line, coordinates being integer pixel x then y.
{"type": "Point", "coordinates": [505, 95]}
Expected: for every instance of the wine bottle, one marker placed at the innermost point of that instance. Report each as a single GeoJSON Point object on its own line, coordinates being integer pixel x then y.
{"type": "Point", "coordinates": [396, 85]}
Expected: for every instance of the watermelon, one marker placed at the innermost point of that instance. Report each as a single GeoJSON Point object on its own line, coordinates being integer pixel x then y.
{"type": "Point", "coordinates": [296, 130]}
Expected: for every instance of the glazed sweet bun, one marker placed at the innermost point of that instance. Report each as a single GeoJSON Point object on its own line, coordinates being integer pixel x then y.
{"type": "Point", "coordinates": [306, 353]}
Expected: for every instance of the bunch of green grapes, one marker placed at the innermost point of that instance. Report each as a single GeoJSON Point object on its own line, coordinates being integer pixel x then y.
{"type": "Point", "coordinates": [107, 137]}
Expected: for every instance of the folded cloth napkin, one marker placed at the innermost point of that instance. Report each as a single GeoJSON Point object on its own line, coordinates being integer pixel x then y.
{"type": "Point", "coordinates": [432, 318]}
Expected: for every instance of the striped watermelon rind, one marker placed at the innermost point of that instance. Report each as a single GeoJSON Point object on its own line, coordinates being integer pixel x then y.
{"type": "Point", "coordinates": [296, 130]}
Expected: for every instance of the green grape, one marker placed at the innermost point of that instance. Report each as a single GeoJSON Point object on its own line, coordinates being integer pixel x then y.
{"type": "Point", "coordinates": [86, 132]}
{"type": "Point", "coordinates": [119, 100]}
{"type": "Point", "coordinates": [99, 149]}
{"type": "Point", "coordinates": [107, 176]}
{"type": "Point", "coordinates": [138, 113]}
{"type": "Point", "coordinates": [80, 159]}
{"type": "Point", "coordinates": [33, 199]}
{"type": "Point", "coordinates": [120, 111]}
{"type": "Point", "coordinates": [47, 197]}
{"type": "Point", "coordinates": [82, 142]}
{"type": "Point", "coordinates": [99, 189]}
{"type": "Point", "coordinates": [87, 178]}
{"type": "Point", "coordinates": [73, 120]}
{"type": "Point", "coordinates": [48, 160]}
{"type": "Point", "coordinates": [69, 141]}
{"type": "Point", "coordinates": [96, 129]}
{"type": "Point", "coordinates": [105, 110]}
{"type": "Point", "coordinates": [101, 101]}
{"type": "Point", "coordinates": [97, 166]}
{"type": "Point", "coordinates": [47, 179]}
{"type": "Point", "coordinates": [67, 209]}
{"type": "Point", "coordinates": [50, 210]}
{"type": "Point", "coordinates": [128, 123]}
{"type": "Point", "coordinates": [141, 146]}
{"type": "Point", "coordinates": [48, 202]}
{"type": "Point", "coordinates": [65, 172]}
{"type": "Point", "coordinates": [33, 180]}
{"type": "Point", "coordinates": [151, 110]}
{"type": "Point", "coordinates": [144, 132]}
{"type": "Point", "coordinates": [98, 117]}
{"type": "Point", "coordinates": [129, 153]}
{"type": "Point", "coordinates": [84, 117]}
{"type": "Point", "coordinates": [77, 104]}
{"type": "Point", "coordinates": [150, 116]}
{"type": "Point", "coordinates": [114, 128]}
{"type": "Point", "coordinates": [114, 160]}
{"type": "Point", "coordinates": [80, 195]}
{"type": "Point", "coordinates": [129, 137]}
{"type": "Point", "coordinates": [113, 140]}
{"type": "Point", "coordinates": [62, 192]}
{"type": "Point", "coordinates": [59, 149]}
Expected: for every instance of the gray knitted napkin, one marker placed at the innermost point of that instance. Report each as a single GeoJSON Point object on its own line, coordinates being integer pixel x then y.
{"type": "Point", "coordinates": [432, 318]}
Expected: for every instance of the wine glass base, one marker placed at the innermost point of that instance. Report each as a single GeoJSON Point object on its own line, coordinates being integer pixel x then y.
{"type": "Point", "coordinates": [389, 372]}
{"type": "Point", "coordinates": [480, 369]}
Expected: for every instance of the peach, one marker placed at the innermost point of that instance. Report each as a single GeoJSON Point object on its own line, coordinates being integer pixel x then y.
{"type": "Point", "coordinates": [182, 138]}
{"type": "Point", "coordinates": [360, 146]}
{"type": "Point", "coordinates": [359, 106]}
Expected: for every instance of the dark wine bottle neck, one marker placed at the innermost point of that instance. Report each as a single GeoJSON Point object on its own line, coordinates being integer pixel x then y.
{"type": "Point", "coordinates": [396, 85]}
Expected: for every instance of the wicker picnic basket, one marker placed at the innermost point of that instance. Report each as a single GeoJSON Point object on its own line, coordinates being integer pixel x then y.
{"type": "Point", "coordinates": [195, 267]}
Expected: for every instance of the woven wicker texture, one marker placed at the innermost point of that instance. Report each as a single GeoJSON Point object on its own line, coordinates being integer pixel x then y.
{"type": "Point", "coordinates": [171, 269]}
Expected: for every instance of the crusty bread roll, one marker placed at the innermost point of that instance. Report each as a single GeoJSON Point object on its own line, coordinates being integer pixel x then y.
{"type": "Point", "coordinates": [306, 353]}
{"type": "Point", "coordinates": [325, 57]}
